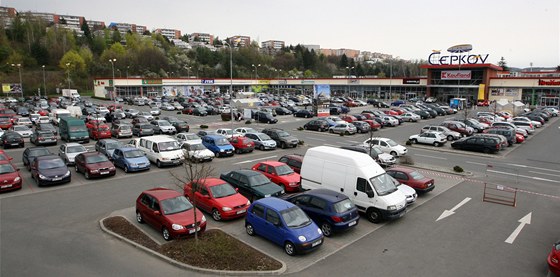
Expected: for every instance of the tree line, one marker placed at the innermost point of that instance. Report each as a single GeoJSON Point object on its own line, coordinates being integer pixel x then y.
{"type": "Point", "coordinates": [58, 57]}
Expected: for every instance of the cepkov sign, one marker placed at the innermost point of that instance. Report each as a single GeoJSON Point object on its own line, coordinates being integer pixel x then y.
{"type": "Point", "coordinates": [456, 75]}
{"type": "Point", "coordinates": [437, 59]}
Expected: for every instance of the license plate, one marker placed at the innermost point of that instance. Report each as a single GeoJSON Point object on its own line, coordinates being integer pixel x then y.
{"type": "Point", "coordinates": [176, 162]}
{"type": "Point", "coordinates": [192, 230]}
{"type": "Point", "coordinates": [352, 223]}
{"type": "Point", "coordinates": [241, 211]}
{"type": "Point", "coordinates": [268, 195]}
{"type": "Point", "coordinates": [13, 144]}
{"type": "Point", "coordinates": [316, 243]}
{"type": "Point", "coordinates": [5, 186]}
{"type": "Point", "coordinates": [104, 172]}
{"type": "Point", "coordinates": [57, 179]}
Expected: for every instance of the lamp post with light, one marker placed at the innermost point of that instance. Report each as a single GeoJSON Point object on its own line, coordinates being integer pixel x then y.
{"type": "Point", "coordinates": [112, 61]}
{"type": "Point", "coordinates": [44, 83]}
{"type": "Point", "coordinates": [278, 86]}
{"type": "Point", "coordinates": [230, 82]}
{"type": "Point", "coordinates": [68, 73]}
{"type": "Point", "coordinates": [349, 70]}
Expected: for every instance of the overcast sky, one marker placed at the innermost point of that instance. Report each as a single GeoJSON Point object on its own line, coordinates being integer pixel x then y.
{"type": "Point", "coordinates": [521, 31]}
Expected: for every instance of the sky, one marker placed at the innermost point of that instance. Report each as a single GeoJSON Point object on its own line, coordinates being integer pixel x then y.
{"type": "Point", "coordinates": [520, 31]}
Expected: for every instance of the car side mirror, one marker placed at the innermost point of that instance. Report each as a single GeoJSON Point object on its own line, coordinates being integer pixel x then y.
{"type": "Point", "coordinates": [18, 169]}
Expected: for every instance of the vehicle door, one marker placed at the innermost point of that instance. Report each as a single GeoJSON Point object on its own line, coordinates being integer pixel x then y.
{"type": "Point", "coordinates": [274, 229]}
{"type": "Point", "coordinates": [118, 158]}
{"type": "Point", "coordinates": [256, 217]}
{"type": "Point", "coordinates": [146, 209]}
{"type": "Point", "coordinates": [149, 149]}
{"type": "Point", "coordinates": [361, 194]}
{"type": "Point", "coordinates": [62, 152]}
{"type": "Point", "coordinates": [315, 208]}
{"type": "Point", "coordinates": [202, 197]}
{"type": "Point", "coordinates": [401, 177]}
{"type": "Point", "coordinates": [244, 187]}
{"type": "Point", "coordinates": [262, 168]}
{"type": "Point", "coordinates": [384, 146]}
{"type": "Point", "coordinates": [474, 143]}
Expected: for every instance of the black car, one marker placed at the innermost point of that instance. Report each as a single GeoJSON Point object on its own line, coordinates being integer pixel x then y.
{"type": "Point", "coordinates": [282, 138]}
{"type": "Point", "coordinates": [377, 103]}
{"type": "Point", "coordinates": [23, 111]}
{"type": "Point", "coordinates": [46, 127]}
{"type": "Point", "coordinates": [264, 117]}
{"type": "Point", "coordinates": [49, 170]}
{"type": "Point", "coordinates": [282, 111]}
{"type": "Point", "coordinates": [12, 139]}
{"type": "Point", "coordinates": [361, 126]}
{"type": "Point", "coordinates": [200, 111]}
{"type": "Point", "coordinates": [252, 184]}
{"type": "Point", "coordinates": [31, 153]}
{"type": "Point", "coordinates": [479, 144]}
{"type": "Point", "coordinates": [317, 125]}
{"type": "Point", "coordinates": [331, 210]}
{"type": "Point", "coordinates": [40, 137]}
{"type": "Point", "coordinates": [304, 113]}
{"type": "Point", "coordinates": [180, 126]}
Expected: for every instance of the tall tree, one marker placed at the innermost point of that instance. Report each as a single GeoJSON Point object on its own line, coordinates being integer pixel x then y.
{"type": "Point", "coordinates": [502, 63]}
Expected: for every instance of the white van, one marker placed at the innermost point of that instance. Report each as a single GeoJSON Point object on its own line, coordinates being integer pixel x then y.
{"type": "Point", "coordinates": [59, 113]}
{"type": "Point", "coordinates": [161, 150]}
{"type": "Point", "coordinates": [357, 176]}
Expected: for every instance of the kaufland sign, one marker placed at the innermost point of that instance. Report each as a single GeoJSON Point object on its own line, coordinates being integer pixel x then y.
{"type": "Point", "coordinates": [456, 75]}
{"type": "Point", "coordinates": [437, 59]}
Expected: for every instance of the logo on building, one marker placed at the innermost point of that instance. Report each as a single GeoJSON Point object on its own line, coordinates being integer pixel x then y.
{"type": "Point", "coordinates": [549, 82]}
{"type": "Point", "coordinates": [207, 81]}
{"type": "Point", "coordinates": [437, 59]}
{"type": "Point", "coordinates": [456, 75]}
{"type": "Point", "coordinates": [411, 81]}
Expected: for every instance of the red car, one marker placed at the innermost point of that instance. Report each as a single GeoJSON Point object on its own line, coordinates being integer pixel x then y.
{"type": "Point", "coordinates": [242, 145]}
{"type": "Point", "coordinates": [217, 197]}
{"type": "Point", "coordinates": [519, 138]}
{"type": "Point", "coordinates": [5, 157]}
{"type": "Point", "coordinates": [101, 132]}
{"type": "Point", "coordinates": [374, 125]}
{"type": "Point", "coordinates": [293, 161]}
{"type": "Point", "coordinates": [5, 123]}
{"type": "Point", "coordinates": [93, 123]}
{"type": "Point", "coordinates": [412, 178]}
{"type": "Point", "coordinates": [398, 110]}
{"type": "Point", "coordinates": [169, 212]}
{"type": "Point", "coordinates": [10, 179]}
{"type": "Point", "coordinates": [43, 113]}
{"type": "Point", "coordinates": [390, 112]}
{"type": "Point", "coordinates": [94, 164]}
{"type": "Point", "coordinates": [483, 103]}
{"type": "Point", "coordinates": [554, 259]}
{"type": "Point", "coordinates": [348, 118]}
{"type": "Point", "coordinates": [280, 174]}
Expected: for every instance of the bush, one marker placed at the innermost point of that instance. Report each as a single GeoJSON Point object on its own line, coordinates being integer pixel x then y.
{"type": "Point", "coordinates": [408, 142]}
{"type": "Point", "coordinates": [248, 121]}
{"type": "Point", "coordinates": [406, 160]}
{"type": "Point", "coordinates": [300, 128]}
{"type": "Point", "coordinates": [300, 142]}
{"type": "Point", "coordinates": [203, 126]}
{"type": "Point", "coordinates": [156, 118]}
{"type": "Point", "coordinates": [458, 169]}
{"type": "Point", "coordinates": [341, 134]}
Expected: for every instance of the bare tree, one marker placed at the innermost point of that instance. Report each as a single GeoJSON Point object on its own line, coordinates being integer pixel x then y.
{"type": "Point", "coordinates": [192, 172]}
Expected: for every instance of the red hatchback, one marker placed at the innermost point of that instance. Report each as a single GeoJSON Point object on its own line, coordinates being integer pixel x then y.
{"type": "Point", "coordinates": [280, 174]}
{"type": "Point", "coordinates": [242, 145]}
{"type": "Point", "coordinates": [169, 212]}
{"type": "Point", "coordinates": [94, 164]}
{"type": "Point", "coordinates": [412, 178]}
{"type": "Point", "coordinates": [217, 197]}
{"type": "Point", "coordinates": [5, 157]}
{"type": "Point", "coordinates": [10, 179]}
{"type": "Point", "coordinates": [374, 125]}
{"type": "Point", "coordinates": [554, 259]}
{"type": "Point", "coordinates": [101, 132]}
{"type": "Point", "coordinates": [348, 118]}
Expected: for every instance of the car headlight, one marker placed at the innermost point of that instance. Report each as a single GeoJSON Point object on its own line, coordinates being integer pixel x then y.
{"type": "Point", "coordinates": [302, 238]}
{"type": "Point", "coordinates": [133, 164]}
{"type": "Point", "coordinates": [41, 176]}
{"type": "Point", "coordinates": [392, 207]}
{"type": "Point", "coordinates": [67, 174]}
{"type": "Point", "coordinates": [177, 227]}
{"type": "Point", "coordinates": [94, 171]}
{"type": "Point", "coordinates": [222, 150]}
{"type": "Point", "coordinates": [319, 230]}
{"type": "Point", "coordinates": [226, 209]}
{"type": "Point", "coordinates": [112, 168]}
{"type": "Point", "coordinates": [17, 179]}
{"type": "Point", "coordinates": [203, 219]}
{"type": "Point", "coordinates": [248, 202]}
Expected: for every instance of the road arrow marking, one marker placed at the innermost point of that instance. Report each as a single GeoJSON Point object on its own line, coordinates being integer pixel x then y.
{"type": "Point", "coordinates": [447, 213]}
{"type": "Point", "coordinates": [525, 220]}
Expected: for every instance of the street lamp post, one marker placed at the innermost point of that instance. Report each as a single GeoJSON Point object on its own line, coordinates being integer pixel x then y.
{"type": "Point", "coordinates": [278, 86]}
{"type": "Point", "coordinates": [127, 67]}
{"type": "Point", "coordinates": [349, 70]}
{"type": "Point", "coordinates": [390, 78]}
{"type": "Point", "coordinates": [188, 68]}
{"type": "Point", "coordinates": [44, 83]}
{"type": "Point", "coordinates": [20, 79]}
{"type": "Point", "coordinates": [112, 61]}
{"type": "Point", "coordinates": [68, 72]}
{"type": "Point", "coordinates": [231, 82]}
{"type": "Point", "coordinates": [256, 70]}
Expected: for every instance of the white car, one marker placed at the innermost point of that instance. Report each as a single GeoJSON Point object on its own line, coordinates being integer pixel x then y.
{"type": "Point", "coordinates": [390, 120]}
{"type": "Point", "coordinates": [188, 138]}
{"type": "Point", "coordinates": [146, 115]}
{"type": "Point", "coordinates": [101, 109]}
{"type": "Point", "coordinates": [262, 141]}
{"type": "Point", "coordinates": [24, 121]}
{"type": "Point", "coordinates": [155, 111]}
{"type": "Point", "coordinates": [344, 128]}
{"type": "Point", "coordinates": [177, 105]}
{"type": "Point", "coordinates": [167, 107]}
{"type": "Point", "coordinates": [432, 138]}
{"type": "Point", "coordinates": [387, 145]}
{"type": "Point", "coordinates": [23, 130]}
{"type": "Point", "coordinates": [69, 151]}
{"type": "Point", "coordinates": [197, 152]}
{"type": "Point", "coordinates": [410, 117]}
{"type": "Point", "coordinates": [537, 124]}
{"type": "Point", "coordinates": [227, 133]}
{"type": "Point", "coordinates": [408, 192]}
{"type": "Point", "coordinates": [553, 111]}
{"type": "Point", "coordinates": [244, 130]}
{"type": "Point", "coordinates": [163, 127]}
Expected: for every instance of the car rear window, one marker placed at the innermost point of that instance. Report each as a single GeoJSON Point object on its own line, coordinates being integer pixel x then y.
{"type": "Point", "coordinates": [343, 206]}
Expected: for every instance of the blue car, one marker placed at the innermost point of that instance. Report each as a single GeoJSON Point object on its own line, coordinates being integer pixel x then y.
{"type": "Point", "coordinates": [398, 103]}
{"type": "Point", "coordinates": [331, 210]}
{"type": "Point", "coordinates": [130, 159]}
{"type": "Point", "coordinates": [284, 224]}
{"type": "Point", "coordinates": [219, 145]}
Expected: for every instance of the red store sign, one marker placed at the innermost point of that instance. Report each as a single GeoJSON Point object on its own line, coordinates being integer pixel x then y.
{"type": "Point", "coordinates": [456, 75]}
{"type": "Point", "coordinates": [549, 82]}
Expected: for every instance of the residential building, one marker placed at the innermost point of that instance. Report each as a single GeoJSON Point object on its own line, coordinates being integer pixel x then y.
{"type": "Point", "coordinates": [202, 37]}
{"type": "Point", "coordinates": [124, 28]}
{"type": "Point", "coordinates": [95, 25]}
{"type": "Point", "coordinates": [240, 41]}
{"type": "Point", "coordinates": [6, 16]}
{"type": "Point", "coordinates": [169, 33]}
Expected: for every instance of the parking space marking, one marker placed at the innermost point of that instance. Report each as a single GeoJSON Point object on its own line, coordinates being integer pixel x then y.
{"type": "Point", "coordinates": [253, 160]}
{"type": "Point", "coordinates": [428, 156]}
{"type": "Point", "coordinates": [555, 175]}
{"type": "Point", "coordinates": [539, 168]}
{"type": "Point", "coordinates": [524, 176]}
{"type": "Point", "coordinates": [469, 162]}
{"type": "Point", "coordinates": [315, 139]}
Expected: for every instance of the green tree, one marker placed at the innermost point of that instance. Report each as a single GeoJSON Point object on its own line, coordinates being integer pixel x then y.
{"type": "Point", "coordinates": [116, 36]}
{"type": "Point", "coordinates": [343, 61]}
{"type": "Point", "coordinates": [502, 63]}
{"type": "Point", "coordinates": [72, 61]}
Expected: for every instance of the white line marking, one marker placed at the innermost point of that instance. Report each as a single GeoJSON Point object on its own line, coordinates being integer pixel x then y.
{"type": "Point", "coordinates": [315, 139]}
{"type": "Point", "coordinates": [433, 157]}
{"type": "Point", "coordinates": [447, 213]}
{"type": "Point", "coordinates": [353, 141]}
{"type": "Point", "coordinates": [524, 176]}
{"type": "Point", "coordinates": [253, 160]}
{"type": "Point", "coordinates": [556, 175]}
{"type": "Point", "coordinates": [469, 162]}
{"type": "Point", "coordinates": [522, 222]}
{"type": "Point", "coordinates": [532, 167]}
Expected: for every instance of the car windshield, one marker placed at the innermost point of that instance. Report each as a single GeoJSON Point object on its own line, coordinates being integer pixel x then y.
{"type": "Point", "coordinates": [228, 131]}
{"type": "Point", "coordinates": [295, 218]}
{"type": "Point", "coordinates": [392, 143]}
{"type": "Point", "coordinates": [125, 127]}
{"type": "Point", "coordinates": [175, 205]}
{"type": "Point", "coordinates": [383, 184]}
{"type": "Point", "coordinates": [50, 164]}
{"type": "Point", "coordinates": [416, 175]}
{"type": "Point", "coordinates": [39, 152]}
{"type": "Point", "coordinates": [258, 180]}
{"type": "Point", "coordinates": [284, 170]}
{"type": "Point", "coordinates": [197, 147]}
{"type": "Point", "coordinates": [113, 145]}
{"type": "Point", "coordinates": [20, 128]}
{"type": "Point", "coordinates": [168, 146]}
{"type": "Point", "coordinates": [103, 128]}
{"type": "Point", "coordinates": [6, 168]}
{"type": "Point", "coordinates": [78, 129]}
{"type": "Point", "coordinates": [96, 159]}
{"type": "Point", "coordinates": [283, 134]}
{"type": "Point", "coordinates": [222, 190]}
{"type": "Point", "coordinates": [164, 123]}
{"type": "Point", "coordinates": [343, 206]}
{"type": "Point", "coordinates": [264, 137]}
{"type": "Point", "coordinates": [76, 149]}
{"type": "Point", "coordinates": [133, 154]}
{"type": "Point", "coordinates": [144, 127]}
{"type": "Point", "coordinates": [192, 137]}
{"type": "Point", "coordinates": [222, 141]}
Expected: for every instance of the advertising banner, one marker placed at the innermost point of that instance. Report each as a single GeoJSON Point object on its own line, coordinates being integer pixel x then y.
{"type": "Point", "coordinates": [11, 88]}
{"type": "Point", "coordinates": [322, 91]}
{"type": "Point", "coordinates": [456, 75]}
{"type": "Point", "coordinates": [481, 91]}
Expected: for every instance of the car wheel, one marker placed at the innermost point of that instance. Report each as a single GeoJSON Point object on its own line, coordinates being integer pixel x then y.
{"type": "Point", "coordinates": [486, 150]}
{"type": "Point", "coordinates": [414, 140]}
{"type": "Point", "coordinates": [249, 229]}
{"type": "Point", "coordinates": [158, 163]}
{"type": "Point", "coordinates": [305, 127]}
{"type": "Point", "coordinates": [165, 234]}
{"type": "Point", "coordinates": [290, 248]}
{"type": "Point", "coordinates": [373, 215]}
{"type": "Point", "coordinates": [139, 218]}
{"type": "Point", "coordinates": [86, 174]}
{"type": "Point", "coordinates": [326, 229]}
{"type": "Point", "coordinates": [331, 131]}
{"type": "Point", "coordinates": [283, 145]}
{"type": "Point", "coordinates": [261, 147]}
{"type": "Point", "coordinates": [394, 154]}
{"type": "Point", "coordinates": [216, 215]}
{"type": "Point", "coordinates": [347, 133]}
{"type": "Point", "coordinates": [436, 143]}
{"type": "Point", "coordinates": [450, 138]}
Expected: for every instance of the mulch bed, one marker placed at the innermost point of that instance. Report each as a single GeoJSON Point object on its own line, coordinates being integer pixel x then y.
{"type": "Point", "coordinates": [213, 250]}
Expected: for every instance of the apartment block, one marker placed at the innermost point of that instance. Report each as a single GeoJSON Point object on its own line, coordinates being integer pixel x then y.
{"type": "Point", "coordinates": [6, 16]}
{"type": "Point", "coordinates": [202, 37]}
{"type": "Point", "coordinates": [240, 41]}
{"type": "Point", "coordinates": [169, 33]}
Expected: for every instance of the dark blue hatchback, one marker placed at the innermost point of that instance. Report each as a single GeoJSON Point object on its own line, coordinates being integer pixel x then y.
{"type": "Point", "coordinates": [331, 210]}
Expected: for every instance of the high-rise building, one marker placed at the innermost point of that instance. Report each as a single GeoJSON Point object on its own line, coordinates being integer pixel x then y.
{"type": "Point", "coordinates": [169, 33]}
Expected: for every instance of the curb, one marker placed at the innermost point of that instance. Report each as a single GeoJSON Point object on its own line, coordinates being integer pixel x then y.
{"type": "Point", "coordinates": [190, 267]}
{"type": "Point", "coordinates": [439, 169]}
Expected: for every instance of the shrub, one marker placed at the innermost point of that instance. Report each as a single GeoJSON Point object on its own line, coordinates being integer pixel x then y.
{"type": "Point", "coordinates": [341, 134]}
{"type": "Point", "coordinates": [408, 142]}
{"type": "Point", "coordinates": [406, 160]}
{"type": "Point", "coordinates": [458, 169]}
{"type": "Point", "coordinates": [203, 126]}
{"type": "Point", "coordinates": [248, 121]}
{"type": "Point", "coordinates": [300, 128]}
{"type": "Point", "coordinates": [300, 142]}
{"type": "Point", "coordinates": [156, 118]}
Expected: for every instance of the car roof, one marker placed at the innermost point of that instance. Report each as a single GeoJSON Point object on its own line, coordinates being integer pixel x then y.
{"type": "Point", "coordinates": [47, 157]}
{"type": "Point", "coordinates": [298, 157]}
{"type": "Point", "coordinates": [162, 193]}
{"type": "Point", "coordinates": [72, 144]}
{"type": "Point", "coordinates": [272, 163]}
{"type": "Point", "coordinates": [403, 169]}
{"type": "Point", "coordinates": [246, 172]}
{"type": "Point", "coordinates": [327, 194]}
{"type": "Point", "coordinates": [211, 181]}
{"type": "Point", "coordinates": [275, 203]}
{"type": "Point", "coordinates": [90, 154]}
{"type": "Point", "coordinates": [126, 149]}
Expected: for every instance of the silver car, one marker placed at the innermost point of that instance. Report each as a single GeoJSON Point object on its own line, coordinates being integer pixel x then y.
{"type": "Point", "coordinates": [343, 128]}
{"type": "Point", "coordinates": [262, 141]}
{"type": "Point", "coordinates": [69, 151]}
{"type": "Point", "coordinates": [450, 135]}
